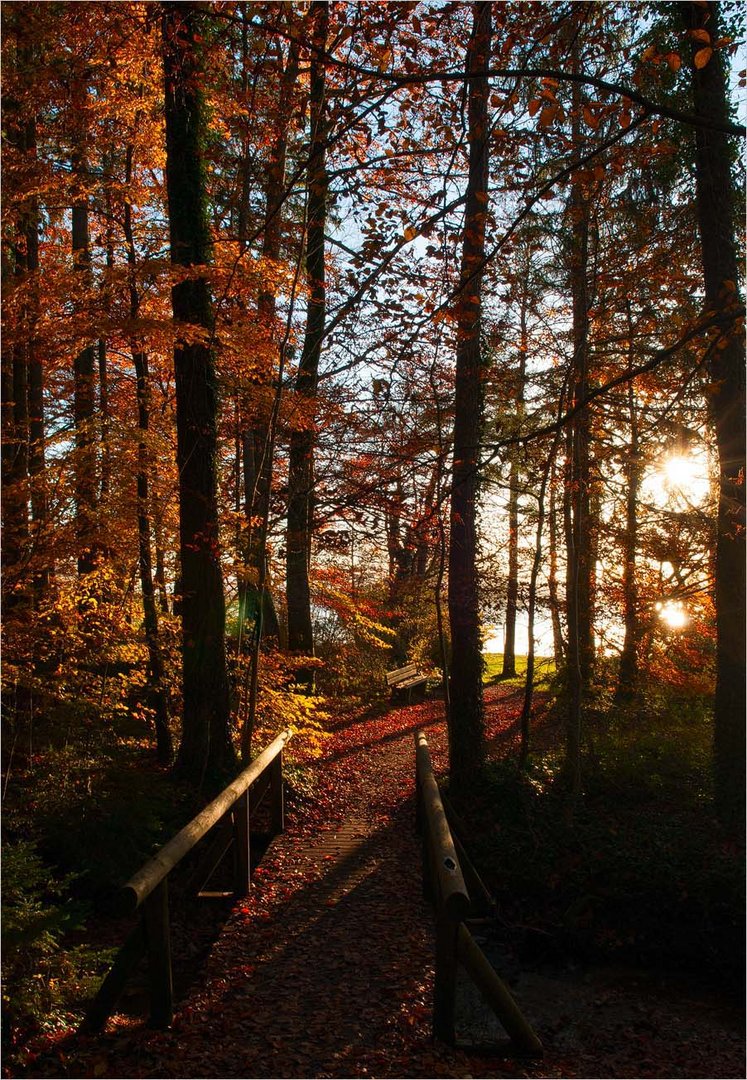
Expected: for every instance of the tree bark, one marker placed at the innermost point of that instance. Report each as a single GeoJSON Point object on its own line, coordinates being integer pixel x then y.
{"type": "Point", "coordinates": [552, 575]}
{"type": "Point", "coordinates": [84, 403]}
{"type": "Point", "coordinates": [716, 202]}
{"type": "Point", "coordinates": [512, 589]}
{"type": "Point", "coordinates": [577, 515]}
{"type": "Point", "coordinates": [259, 440]}
{"type": "Point", "coordinates": [156, 695]}
{"type": "Point", "coordinates": [627, 681]}
{"type": "Point", "coordinates": [302, 440]}
{"type": "Point", "coordinates": [466, 721]}
{"type": "Point", "coordinates": [205, 751]}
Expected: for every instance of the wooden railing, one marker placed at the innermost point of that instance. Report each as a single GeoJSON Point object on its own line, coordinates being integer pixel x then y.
{"type": "Point", "coordinates": [443, 885]}
{"type": "Point", "coordinates": [147, 890]}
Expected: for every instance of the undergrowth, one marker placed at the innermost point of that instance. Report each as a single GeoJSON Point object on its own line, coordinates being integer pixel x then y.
{"type": "Point", "coordinates": [640, 870]}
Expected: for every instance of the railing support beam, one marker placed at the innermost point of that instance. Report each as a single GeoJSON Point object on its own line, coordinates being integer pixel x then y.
{"type": "Point", "coordinates": [158, 940]}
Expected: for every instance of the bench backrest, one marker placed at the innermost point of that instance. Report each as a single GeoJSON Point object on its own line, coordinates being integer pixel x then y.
{"type": "Point", "coordinates": [398, 676]}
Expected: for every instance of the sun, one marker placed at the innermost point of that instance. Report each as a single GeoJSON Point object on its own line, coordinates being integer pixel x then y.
{"type": "Point", "coordinates": [678, 472]}
{"type": "Point", "coordinates": [679, 481]}
{"type": "Point", "coordinates": [673, 614]}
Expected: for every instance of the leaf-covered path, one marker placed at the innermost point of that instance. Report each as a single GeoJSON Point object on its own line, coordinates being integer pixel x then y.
{"type": "Point", "coordinates": [325, 970]}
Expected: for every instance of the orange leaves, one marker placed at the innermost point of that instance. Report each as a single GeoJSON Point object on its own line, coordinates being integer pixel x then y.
{"type": "Point", "coordinates": [590, 117]}
{"type": "Point", "coordinates": [702, 57]}
{"type": "Point", "coordinates": [701, 35]}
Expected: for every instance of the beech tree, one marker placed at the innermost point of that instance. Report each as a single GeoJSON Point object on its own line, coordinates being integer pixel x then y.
{"type": "Point", "coordinates": [716, 200]}
{"type": "Point", "coordinates": [301, 454]}
{"type": "Point", "coordinates": [205, 750]}
{"type": "Point", "coordinates": [466, 729]}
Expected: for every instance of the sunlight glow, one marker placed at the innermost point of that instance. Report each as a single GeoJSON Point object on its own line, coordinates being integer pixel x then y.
{"type": "Point", "coordinates": [673, 614]}
{"type": "Point", "coordinates": [680, 472]}
{"type": "Point", "coordinates": [679, 481]}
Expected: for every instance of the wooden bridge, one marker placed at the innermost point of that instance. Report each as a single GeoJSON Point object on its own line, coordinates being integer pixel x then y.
{"type": "Point", "coordinates": [333, 963]}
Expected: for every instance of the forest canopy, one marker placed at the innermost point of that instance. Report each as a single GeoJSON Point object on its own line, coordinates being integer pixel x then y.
{"type": "Point", "coordinates": [336, 335]}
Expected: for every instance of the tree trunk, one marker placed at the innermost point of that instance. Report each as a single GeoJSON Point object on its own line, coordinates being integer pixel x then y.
{"type": "Point", "coordinates": [156, 695]}
{"type": "Point", "coordinates": [466, 722]}
{"type": "Point", "coordinates": [627, 681]}
{"type": "Point", "coordinates": [552, 574]}
{"type": "Point", "coordinates": [512, 590]}
{"type": "Point", "coordinates": [84, 403]}
{"type": "Point", "coordinates": [205, 750]}
{"type": "Point", "coordinates": [301, 460]}
{"type": "Point", "coordinates": [577, 507]}
{"type": "Point", "coordinates": [526, 710]}
{"type": "Point", "coordinates": [716, 201]}
{"type": "Point", "coordinates": [259, 440]}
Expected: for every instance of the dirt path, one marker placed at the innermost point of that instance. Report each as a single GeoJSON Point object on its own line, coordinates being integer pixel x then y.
{"type": "Point", "coordinates": [325, 970]}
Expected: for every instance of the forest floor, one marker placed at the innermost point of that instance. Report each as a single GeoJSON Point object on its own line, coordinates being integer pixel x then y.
{"type": "Point", "coordinates": [326, 969]}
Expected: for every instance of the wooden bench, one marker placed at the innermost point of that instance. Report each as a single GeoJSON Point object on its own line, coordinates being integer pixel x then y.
{"type": "Point", "coordinates": [405, 679]}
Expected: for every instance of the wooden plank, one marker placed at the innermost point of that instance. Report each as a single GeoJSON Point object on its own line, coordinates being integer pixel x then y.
{"type": "Point", "coordinates": [400, 674]}
{"type": "Point", "coordinates": [497, 994]}
{"type": "Point", "coordinates": [155, 870]}
{"type": "Point", "coordinates": [110, 991]}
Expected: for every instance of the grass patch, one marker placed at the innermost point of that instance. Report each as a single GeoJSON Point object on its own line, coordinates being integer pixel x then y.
{"type": "Point", "coordinates": [544, 670]}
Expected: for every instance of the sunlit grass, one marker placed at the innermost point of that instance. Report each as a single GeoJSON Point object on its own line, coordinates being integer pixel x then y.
{"type": "Point", "coordinates": [544, 669]}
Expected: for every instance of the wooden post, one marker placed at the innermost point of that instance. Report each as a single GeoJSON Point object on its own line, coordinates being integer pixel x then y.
{"type": "Point", "coordinates": [156, 924]}
{"type": "Point", "coordinates": [444, 991]}
{"type": "Point", "coordinates": [242, 846]}
{"type": "Point", "coordinates": [277, 796]}
{"type": "Point", "coordinates": [110, 991]}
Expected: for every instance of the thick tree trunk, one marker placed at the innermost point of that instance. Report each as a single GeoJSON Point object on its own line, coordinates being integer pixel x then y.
{"type": "Point", "coordinates": [205, 750]}
{"type": "Point", "coordinates": [301, 460]}
{"type": "Point", "coordinates": [24, 502]}
{"type": "Point", "coordinates": [717, 216]}
{"type": "Point", "coordinates": [466, 721]}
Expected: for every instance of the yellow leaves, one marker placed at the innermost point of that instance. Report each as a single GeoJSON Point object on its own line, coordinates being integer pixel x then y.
{"type": "Point", "coordinates": [702, 57]}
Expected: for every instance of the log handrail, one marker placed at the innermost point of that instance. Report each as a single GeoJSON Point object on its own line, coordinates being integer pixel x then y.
{"type": "Point", "coordinates": [147, 889]}
{"type": "Point", "coordinates": [443, 882]}
{"type": "Point", "coordinates": [453, 893]}
{"type": "Point", "coordinates": [152, 873]}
